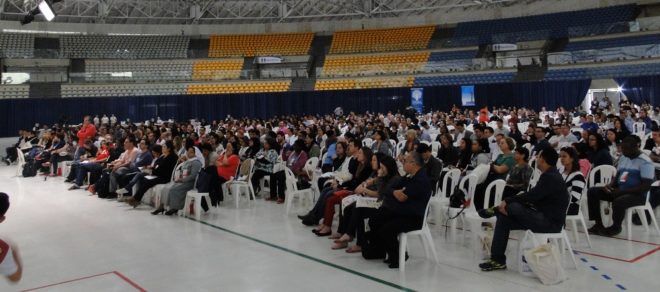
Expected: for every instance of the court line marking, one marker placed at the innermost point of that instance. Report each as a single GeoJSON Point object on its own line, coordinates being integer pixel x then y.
{"type": "Point", "coordinates": [118, 274]}
{"type": "Point", "coordinates": [398, 287]}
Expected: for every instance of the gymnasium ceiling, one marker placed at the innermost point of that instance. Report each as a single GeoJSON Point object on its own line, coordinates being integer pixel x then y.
{"type": "Point", "coordinates": [238, 12]}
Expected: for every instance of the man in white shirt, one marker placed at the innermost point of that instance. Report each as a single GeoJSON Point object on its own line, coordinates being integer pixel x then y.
{"type": "Point", "coordinates": [11, 265]}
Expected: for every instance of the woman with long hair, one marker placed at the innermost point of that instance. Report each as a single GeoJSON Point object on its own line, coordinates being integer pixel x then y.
{"type": "Point", "coordinates": [573, 177]}
{"type": "Point", "coordinates": [352, 222]}
{"type": "Point", "coordinates": [361, 174]}
{"type": "Point", "coordinates": [599, 153]}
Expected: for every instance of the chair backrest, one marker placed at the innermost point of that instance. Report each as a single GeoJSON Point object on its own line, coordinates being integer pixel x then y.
{"type": "Point", "coordinates": [290, 180]}
{"type": "Point", "coordinates": [449, 182]}
{"type": "Point", "coordinates": [498, 185]}
{"type": "Point", "coordinates": [468, 185]}
{"type": "Point", "coordinates": [648, 194]}
{"type": "Point", "coordinates": [176, 168]}
{"type": "Point", "coordinates": [399, 147]}
{"type": "Point", "coordinates": [20, 157]}
{"type": "Point", "coordinates": [605, 172]}
{"type": "Point", "coordinates": [425, 142]}
{"type": "Point", "coordinates": [536, 174]}
{"type": "Point", "coordinates": [639, 127]}
{"type": "Point", "coordinates": [425, 225]}
{"type": "Point", "coordinates": [435, 147]}
{"type": "Point", "coordinates": [311, 164]}
{"type": "Point", "coordinates": [367, 142]}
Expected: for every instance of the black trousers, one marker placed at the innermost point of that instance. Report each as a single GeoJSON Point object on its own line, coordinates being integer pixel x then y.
{"type": "Point", "coordinates": [12, 153]}
{"type": "Point", "coordinates": [520, 217]}
{"type": "Point", "coordinates": [215, 186]}
{"type": "Point", "coordinates": [620, 203]}
{"type": "Point", "coordinates": [256, 177]}
{"type": "Point", "coordinates": [351, 222]}
{"type": "Point", "coordinates": [277, 185]}
{"type": "Point", "coordinates": [145, 184]}
{"type": "Point", "coordinates": [385, 227]}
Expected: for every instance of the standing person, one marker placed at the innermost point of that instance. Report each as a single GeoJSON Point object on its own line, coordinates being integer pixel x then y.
{"type": "Point", "coordinates": [542, 209]}
{"type": "Point", "coordinates": [87, 131]}
{"type": "Point", "coordinates": [11, 265]}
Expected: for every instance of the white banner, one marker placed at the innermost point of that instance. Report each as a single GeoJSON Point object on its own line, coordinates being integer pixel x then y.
{"type": "Point", "coordinates": [504, 47]}
{"type": "Point", "coordinates": [269, 60]}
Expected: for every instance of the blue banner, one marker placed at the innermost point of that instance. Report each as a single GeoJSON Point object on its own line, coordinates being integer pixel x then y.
{"type": "Point", "coordinates": [417, 99]}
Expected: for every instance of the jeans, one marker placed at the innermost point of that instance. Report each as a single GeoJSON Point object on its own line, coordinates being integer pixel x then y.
{"type": "Point", "coordinates": [620, 203]}
{"type": "Point", "coordinates": [319, 207]}
{"type": "Point", "coordinates": [520, 217]}
{"type": "Point", "coordinates": [84, 168]}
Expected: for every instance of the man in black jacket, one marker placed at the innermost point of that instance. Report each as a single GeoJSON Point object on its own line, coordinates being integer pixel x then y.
{"type": "Point", "coordinates": [542, 209]}
{"type": "Point", "coordinates": [432, 165]}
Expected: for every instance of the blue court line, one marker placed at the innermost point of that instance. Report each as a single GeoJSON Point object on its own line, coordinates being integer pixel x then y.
{"type": "Point", "coordinates": [606, 277]}
{"type": "Point", "coordinates": [398, 287]}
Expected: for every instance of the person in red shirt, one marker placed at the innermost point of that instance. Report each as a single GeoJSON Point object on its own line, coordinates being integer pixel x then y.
{"type": "Point", "coordinates": [483, 115]}
{"type": "Point", "coordinates": [226, 166]}
{"type": "Point", "coordinates": [87, 131]}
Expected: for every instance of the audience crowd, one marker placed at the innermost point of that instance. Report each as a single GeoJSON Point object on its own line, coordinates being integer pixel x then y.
{"type": "Point", "coordinates": [382, 167]}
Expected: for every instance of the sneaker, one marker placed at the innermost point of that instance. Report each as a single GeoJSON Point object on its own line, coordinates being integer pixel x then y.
{"type": "Point", "coordinates": [611, 231]}
{"type": "Point", "coordinates": [68, 180]}
{"type": "Point", "coordinates": [491, 265]}
{"type": "Point", "coordinates": [74, 187]}
{"type": "Point", "coordinates": [487, 213]}
{"type": "Point", "coordinates": [122, 191]}
{"type": "Point", "coordinates": [7, 161]}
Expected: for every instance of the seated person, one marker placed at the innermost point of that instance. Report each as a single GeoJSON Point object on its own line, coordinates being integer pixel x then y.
{"type": "Point", "coordinates": [568, 157]}
{"type": "Point", "coordinates": [432, 165]}
{"type": "Point", "coordinates": [344, 173]}
{"type": "Point", "coordinates": [174, 195]}
{"type": "Point", "coordinates": [363, 171]}
{"type": "Point", "coordinates": [402, 211]}
{"type": "Point", "coordinates": [265, 160]}
{"type": "Point", "coordinates": [295, 161]}
{"type": "Point", "coordinates": [541, 209]}
{"type": "Point", "coordinates": [351, 221]}
{"type": "Point", "coordinates": [91, 161]}
{"type": "Point", "coordinates": [498, 170]}
{"type": "Point", "coordinates": [142, 160]}
{"type": "Point", "coordinates": [161, 170]}
{"type": "Point", "coordinates": [520, 174]}
{"type": "Point", "coordinates": [635, 174]}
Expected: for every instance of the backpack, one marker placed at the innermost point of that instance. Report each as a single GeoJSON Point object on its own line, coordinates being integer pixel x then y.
{"type": "Point", "coordinates": [102, 186]}
{"type": "Point", "coordinates": [30, 168]}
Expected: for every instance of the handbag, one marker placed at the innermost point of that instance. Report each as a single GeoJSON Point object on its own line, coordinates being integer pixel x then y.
{"type": "Point", "coordinates": [545, 262]}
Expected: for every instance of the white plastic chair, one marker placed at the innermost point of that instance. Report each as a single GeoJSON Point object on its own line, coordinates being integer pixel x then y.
{"type": "Point", "coordinates": [366, 142]}
{"type": "Point", "coordinates": [435, 147]}
{"type": "Point", "coordinates": [197, 197]}
{"type": "Point", "coordinates": [468, 185]}
{"type": "Point", "coordinates": [641, 210]}
{"type": "Point", "coordinates": [239, 187]}
{"type": "Point", "coordinates": [536, 175]}
{"type": "Point", "coordinates": [606, 174]}
{"type": "Point", "coordinates": [399, 147]}
{"type": "Point", "coordinates": [559, 239]}
{"type": "Point", "coordinates": [293, 192]}
{"type": "Point", "coordinates": [441, 199]}
{"type": "Point", "coordinates": [474, 220]}
{"type": "Point", "coordinates": [313, 172]}
{"type": "Point", "coordinates": [579, 217]}
{"type": "Point", "coordinates": [427, 241]}
{"type": "Point", "coordinates": [20, 162]}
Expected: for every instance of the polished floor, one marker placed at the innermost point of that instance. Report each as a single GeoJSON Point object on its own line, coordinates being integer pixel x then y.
{"type": "Point", "coordinates": [71, 241]}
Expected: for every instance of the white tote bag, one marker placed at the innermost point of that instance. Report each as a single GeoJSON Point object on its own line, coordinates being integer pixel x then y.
{"type": "Point", "coordinates": [545, 262]}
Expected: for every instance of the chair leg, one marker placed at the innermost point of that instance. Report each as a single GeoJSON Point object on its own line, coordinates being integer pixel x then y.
{"type": "Point", "coordinates": [289, 201]}
{"type": "Point", "coordinates": [186, 207]}
{"type": "Point", "coordinates": [430, 243]}
{"type": "Point", "coordinates": [642, 217]}
{"type": "Point", "coordinates": [629, 223]}
{"type": "Point", "coordinates": [237, 196]}
{"type": "Point", "coordinates": [575, 231]}
{"type": "Point", "coordinates": [198, 207]}
{"type": "Point", "coordinates": [586, 233]}
{"type": "Point", "coordinates": [654, 220]}
{"type": "Point", "coordinates": [403, 241]}
{"type": "Point", "coordinates": [570, 250]}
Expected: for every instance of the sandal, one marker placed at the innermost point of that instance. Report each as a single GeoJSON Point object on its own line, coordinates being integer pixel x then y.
{"type": "Point", "coordinates": [354, 249]}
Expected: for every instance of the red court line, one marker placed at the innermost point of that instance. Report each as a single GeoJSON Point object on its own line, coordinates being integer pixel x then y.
{"type": "Point", "coordinates": [129, 281]}
{"type": "Point", "coordinates": [650, 252]}
{"type": "Point", "coordinates": [118, 274]}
